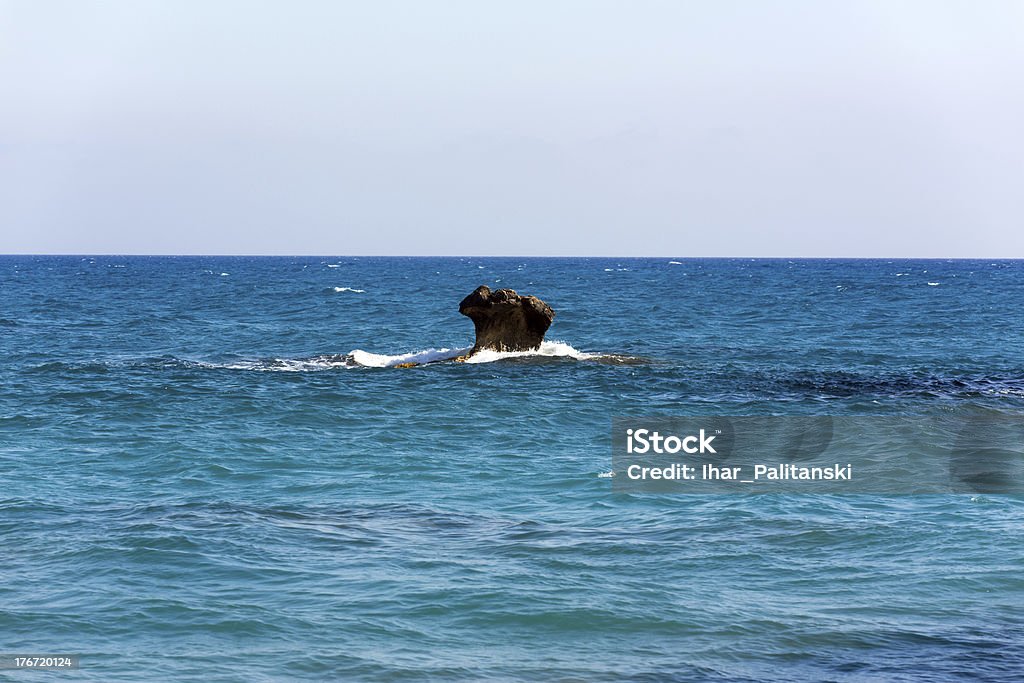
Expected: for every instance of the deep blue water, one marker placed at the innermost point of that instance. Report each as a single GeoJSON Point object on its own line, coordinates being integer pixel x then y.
{"type": "Point", "coordinates": [198, 482]}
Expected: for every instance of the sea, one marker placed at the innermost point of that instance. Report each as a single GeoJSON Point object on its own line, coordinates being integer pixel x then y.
{"type": "Point", "coordinates": [212, 470]}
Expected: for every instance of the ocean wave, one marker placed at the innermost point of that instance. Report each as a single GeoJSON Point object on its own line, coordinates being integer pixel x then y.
{"type": "Point", "coordinates": [380, 360]}
{"type": "Point", "coordinates": [548, 349]}
{"type": "Point", "coordinates": [349, 289]}
{"type": "Point", "coordinates": [312, 364]}
{"type": "Point", "coordinates": [357, 358]}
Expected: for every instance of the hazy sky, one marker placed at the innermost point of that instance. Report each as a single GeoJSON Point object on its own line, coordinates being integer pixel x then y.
{"type": "Point", "coordinates": [785, 128]}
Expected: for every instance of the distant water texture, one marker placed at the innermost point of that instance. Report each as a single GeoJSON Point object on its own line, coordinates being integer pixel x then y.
{"type": "Point", "coordinates": [212, 472]}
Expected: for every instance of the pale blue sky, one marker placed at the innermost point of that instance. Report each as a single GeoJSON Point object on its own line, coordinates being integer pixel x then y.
{"type": "Point", "coordinates": [810, 128]}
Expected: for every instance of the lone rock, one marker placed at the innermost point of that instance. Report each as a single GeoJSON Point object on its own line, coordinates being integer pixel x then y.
{"type": "Point", "coordinates": [506, 321]}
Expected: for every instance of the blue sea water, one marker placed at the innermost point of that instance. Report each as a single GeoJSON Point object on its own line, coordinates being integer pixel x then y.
{"type": "Point", "coordinates": [202, 481]}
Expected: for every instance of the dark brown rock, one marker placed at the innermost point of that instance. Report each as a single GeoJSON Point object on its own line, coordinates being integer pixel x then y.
{"type": "Point", "coordinates": [506, 321]}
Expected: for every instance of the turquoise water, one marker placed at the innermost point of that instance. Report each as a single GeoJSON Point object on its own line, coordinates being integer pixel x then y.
{"type": "Point", "coordinates": [201, 480]}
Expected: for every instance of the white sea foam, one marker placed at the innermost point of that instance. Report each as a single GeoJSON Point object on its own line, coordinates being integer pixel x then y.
{"type": "Point", "coordinates": [551, 349]}
{"type": "Point", "coordinates": [933, 284]}
{"type": "Point", "coordinates": [314, 364]}
{"type": "Point", "coordinates": [675, 263]}
{"type": "Point", "coordinates": [380, 360]}
{"type": "Point", "coordinates": [360, 358]}
{"type": "Point", "coordinates": [350, 289]}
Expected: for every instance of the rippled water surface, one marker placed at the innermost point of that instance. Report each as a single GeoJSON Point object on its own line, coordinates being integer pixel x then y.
{"type": "Point", "coordinates": [210, 471]}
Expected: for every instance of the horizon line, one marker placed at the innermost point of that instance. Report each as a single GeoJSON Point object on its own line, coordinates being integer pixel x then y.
{"type": "Point", "coordinates": [520, 256]}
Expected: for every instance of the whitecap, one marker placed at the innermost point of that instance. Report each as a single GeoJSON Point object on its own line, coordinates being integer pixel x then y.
{"type": "Point", "coordinates": [679, 263]}
{"type": "Point", "coordinates": [551, 349]}
{"type": "Point", "coordinates": [933, 284]}
{"type": "Point", "coordinates": [317, 363]}
{"type": "Point", "coordinates": [380, 360]}
{"type": "Point", "coordinates": [350, 289]}
{"type": "Point", "coordinates": [360, 358]}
